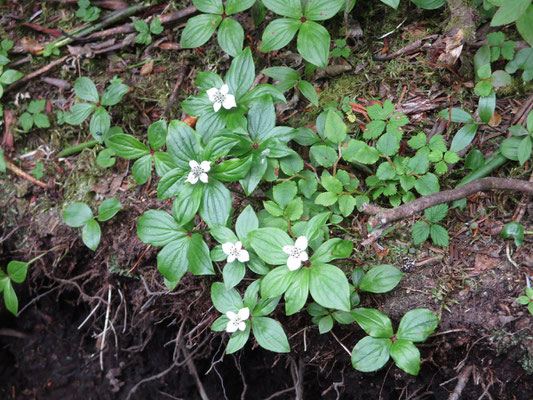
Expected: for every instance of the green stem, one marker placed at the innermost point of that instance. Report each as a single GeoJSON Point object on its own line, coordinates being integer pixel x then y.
{"type": "Point", "coordinates": [41, 255]}
{"type": "Point", "coordinates": [489, 166]}
{"type": "Point", "coordinates": [76, 149]}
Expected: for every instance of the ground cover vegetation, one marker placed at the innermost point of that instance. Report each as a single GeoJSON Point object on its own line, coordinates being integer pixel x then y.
{"type": "Point", "coordinates": [357, 190]}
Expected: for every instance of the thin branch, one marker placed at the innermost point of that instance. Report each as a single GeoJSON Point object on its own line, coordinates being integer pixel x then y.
{"type": "Point", "coordinates": [383, 216]}
{"type": "Point", "coordinates": [35, 74]}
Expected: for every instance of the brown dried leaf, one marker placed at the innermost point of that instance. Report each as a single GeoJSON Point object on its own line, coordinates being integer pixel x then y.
{"type": "Point", "coordinates": [31, 45]}
{"type": "Point", "coordinates": [147, 68]}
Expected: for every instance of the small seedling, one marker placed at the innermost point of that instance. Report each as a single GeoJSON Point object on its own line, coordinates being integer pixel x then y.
{"type": "Point", "coordinates": [34, 116]}
{"type": "Point", "coordinates": [145, 31]}
{"type": "Point", "coordinates": [86, 12]}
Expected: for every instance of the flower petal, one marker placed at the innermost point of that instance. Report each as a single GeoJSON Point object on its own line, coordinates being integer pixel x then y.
{"type": "Point", "coordinates": [212, 94]}
{"type": "Point", "coordinates": [301, 243]}
{"type": "Point", "coordinates": [304, 256]}
{"type": "Point", "coordinates": [191, 178]}
{"type": "Point", "coordinates": [288, 249]}
{"type": "Point", "coordinates": [230, 258]}
{"type": "Point", "coordinates": [238, 246]}
{"type": "Point", "coordinates": [244, 313]}
{"type": "Point", "coordinates": [205, 165]}
{"type": "Point", "coordinates": [227, 248]}
{"type": "Point", "coordinates": [229, 101]}
{"type": "Point", "coordinates": [231, 315]}
{"type": "Point", "coordinates": [193, 164]}
{"type": "Point", "coordinates": [293, 263]}
{"type": "Point", "coordinates": [242, 326]}
{"type": "Point", "coordinates": [203, 177]}
{"type": "Point", "coordinates": [231, 327]}
{"type": "Point", "coordinates": [224, 89]}
{"type": "Point", "coordinates": [217, 105]}
{"type": "Point", "coordinates": [244, 256]}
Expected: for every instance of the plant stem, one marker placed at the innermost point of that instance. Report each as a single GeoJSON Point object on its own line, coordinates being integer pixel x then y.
{"type": "Point", "coordinates": [77, 148]}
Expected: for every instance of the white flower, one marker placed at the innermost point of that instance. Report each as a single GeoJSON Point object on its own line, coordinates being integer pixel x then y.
{"type": "Point", "coordinates": [221, 98]}
{"type": "Point", "coordinates": [296, 253]}
{"type": "Point", "coordinates": [198, 171]}
{"type": "Point", "coordinates": [236, 321]}
{"type": "Point", "coordinates": [235, 251]}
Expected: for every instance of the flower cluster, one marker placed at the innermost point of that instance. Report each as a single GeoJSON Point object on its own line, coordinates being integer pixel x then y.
{"type": "Point", "coordinates": [198, 171]}
{"type": "Point", "coordinates": [235, 251]}
{"type": "Point", "coordinates": [236, 321]}
{"type": "Point", "coordinates": [221, 98]}
{"type": "Point", "coordinates": [297, 253]}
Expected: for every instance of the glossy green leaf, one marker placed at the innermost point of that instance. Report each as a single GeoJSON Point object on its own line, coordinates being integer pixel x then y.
{"type": "Point", "coordinates": [209, 6]}
{"type": "Point", "coordinates": [268, 244]}
{"type": "Point", "coordinates": [416, 325]}
{"type": "Point", "coordinates": [241, 74]}
{"type": "Point", "coordinates": [373, 322]}
{"type": "Point", "coordinates": [464, 137]}
{"type": "Point", "coordinates": [287, 8]}
{"type": "Point", "coordinates": [78, 113]}
{"type": "Point", "coordinates": [126, 146]}
{"type": "Point", "coordinates": [199, 29]}
{"type": "Point", "coordinates": [108, 209]}
{"type": "Point", "coordinates": [183, 144]}
{"type": "Point", "coordinates": [10, 298]}
{"type": "Point", "coordinates": [230, 36]}
{"type": "Point", "coordinates": [198, 256]}
{"type": "Point", "coordinates": [85, 89]}
{"type": "Point", "coordinates": [91, 234]}
{"type": "Point", "coordinates": [270, 335]}
{"type": "Point", "coordinates": [406, 356]}
{"type": "Point", "coordinates": [297, 293]}
{"type": "Point", "coordinates": [381, 279]}
{"type": "Point", "coordinates": [225, 299]}
{"type": "Point", "coordinates": [17, 271]}
{"type": "Point", "coordinates": [142, 169]}
{"type": "Point", "coordinates": [509, 11]}
{"type": "Point", "coordinates": [238, 340]}
{"type": "Point", "coordinates": [513, 230]}
{"type": "Point", "coordinates": [172, 260]}
{"type": "Point", "coordinates": [319, 10]}
{"type": "Point", "coordinates": [313, 43]}
{"type": "Point", "coordinates": [277, 281]}
{"type": "Point", "coordinates": [420, 232]}
{"type": "Point", "coordinates": [279, 33]}
{"type": "Point", "coordinates": [236, 6]}
{"type": "Point", "coordinates": [329, 287]}
{"type": "Point", "coordinates": [114, 93]}
{"type": "Point", "coordinates": [370, 354]}
{"type": "Point", "coordinates": [77, 214]}
{"type": "Point", "coordinates": [158, 228]}
{"type": "Point", "coordinates": [216, 203]}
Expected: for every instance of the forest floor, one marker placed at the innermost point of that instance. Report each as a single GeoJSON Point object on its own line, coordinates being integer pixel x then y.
{"type": "Point", "coordinates": [53, 349]}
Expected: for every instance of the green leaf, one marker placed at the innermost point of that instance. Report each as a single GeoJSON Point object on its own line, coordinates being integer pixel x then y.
{"type": "Point", "coordinates": [312, 229]}
{"type": "Point", "coordinates": [209, 6]}
{"type": "Point", "coordinates": [233, 273]}
{"type": "Point", "coordinates": [524, 26]}
{"type": "Point", "coordinates": [186, 205]}
{"type": "Point", "coordinates": [238, 340]}
{"type": "Point", "coordinates": [392, 3]}
{"type": "Point", "coordinates": [198, 256]}
{"type": "Point", "coordinates": [126, 146]}
{"type": "Point", "coordinates": [79, 113]}
{"type": "Point", "coordinates": [416, 325]}
{"type": "Point", "coordinates": [41, 121]}
{"type": "Point", "coordinates": [436, 213]}
{"type": "Point", "coordinates": [268, 244]}
{"type": "Point", "coordinates": [172, 260]}
{"type": "Point", "coordinates": [309, 91]}
{"type": "Point", "coordinates": [291, 164]}
{"type": "Point", "coordinates": [230, 36]}
{"type": "Point", "coordinates": [246, 223]}
{"type": "Point", "coordinates": [270, 335]}
{"type": "Point", "coordinates": [10, 298]}
{"type": "Point", "coordinates": [429, 4]}
{"type": "Point", "coordinates": [335, 127]}
{"type": "Point", "coordinates": [388, 144]}
{"type": "Point", "coordinates": [418, 141]}
{"type": "Point", "coordinates": [325, 324]}
{"type": "Point", "coordinates": [370, 354]}
{"type": "Point", "coordinates": [439, 235]}
{"type": "Point", "coordinates": [420, 232]}
{"type": "Point", "coordinates": [277, 281]}
{"type": "Point", "coordinates": [108, 209]}
{"type": "Point", "coordinates": [199, 29]}
{"type": "Point", "coordinates": [100, 123]}
{"type": "Point", "coordinates": [381, 279]}
{"type": "Point", "coordinates": [313, 43]}
{"type": "Point", "coordinates": [26, 120]}
{"type": "Point", "coordinates": [406, 356]}
{"type": "Point", "coordinates": [324, 155]}
{"type": "Point", "coordinates": [284, 192]}
{"type": "Point", "coordinates": [158, 228]}
{"type": "Point", "coordinates": [346, 204]}
{"type": "Point", "coordinates": [162, 162]}
{"type": "Point", "coordinates": [241, 73]}
{"type": "Point", "coordinates": [170, 184]}
{"type": "Point", "coordinates": [524, 150]}
{"type": "Point", "coordinates": [286, 76]}
{"type": "Point", "coordinates": [294, 209]}
{"type": "Point", "coordinates": [463, 137]}
{"type": "Point", "coordinates": [373, 322]}
{"type": "Point", "coordinates": [298, 292]}
{"type": "Point", "coordinates": [17, 271]}
{"type": "Point", "coordinates": [157, 134]}
{"type": "Point", "coordinates": [319, 10]}
{"type": "Point", "coordinates": [510, 146]}
{"type": "Point", "coordinates": [427, 184]}
{"type": "Point", "coordinates": [216, 203]}
{"type": "Point", "coordinates": [85, 89]}
{"type": "Point", "coordinates": [359, 151]}
{"type": "Point", "coordinates": [329, 287]}
{"type": "Point", "coordinates": [77, 214]}
{"type": "Point", "coordinates": [236, 6]}
{"type": "Point", "coordinates": [114, 93]}
{"type": "Point", "coordinates": [219, 325]}
{"type": "Point", "coordinates": [326, 199]}
{"type": "Point", "coordinates": [287, 8]}
{"type": "Point", "coordinates": [183, 144]}
{"type": "Point", "coordinates": [386, 171]}
{"type": "Point", "coordinates": [155, 26]}
{"type": "Point", "coordinates": [225, 299]}
{"type": "Point", "coordinates": [279, 33]}
{"type": "Point", "coordinates": [142, 169]}
{"type": "Point", "coordinates": [513, 230]}
{"type": "Point", "coordinates": [509, 11]}
{"type": "Point", "coordinates": [90, 234]}
{"type": "Point", "coordinates": [37, 106]}
{"type": "Point", "coordinates": [523, 300]}
{"type": "Point", "coordinates": [232, 170]}
{"type": "Point", "coordinates": [457, 115]}
{"type": "Point", "coordinates": [9, 76]}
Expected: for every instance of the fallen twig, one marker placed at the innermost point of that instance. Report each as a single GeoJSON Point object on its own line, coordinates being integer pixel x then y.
{"type": "Point", "coordinates": [414, 47]}
{"type": "Point", "coordinates": [174, 95]}
{"type": "Point", "coordinates": [35, 74]}
{"type": "Point", "coordinates": [461, 383]}
{"type": "Point", "coordinates": [12, 167]}
{"type": "Point", "coordinates": [384, 216]}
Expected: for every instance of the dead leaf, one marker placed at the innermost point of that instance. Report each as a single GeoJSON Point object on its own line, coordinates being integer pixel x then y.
{"type": "Point", "coordinates": [495, 120]}
{"type": "Point", "coordinates": [190, 120]}
{"type": "Point", "coordinates": [31, 45]}
{"type": "Point", "coordinates": [147, 68]}
{"type": "Point", "coordinates": [169, 46]}
{"type": "Point", "coordinates": [483, 263]}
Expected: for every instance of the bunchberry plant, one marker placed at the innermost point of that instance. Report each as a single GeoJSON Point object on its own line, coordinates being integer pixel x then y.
{"type": "Point", "coordinates": [288, 78]}
{"type": "Point", "coordinates": [145, 32]}
{"type": "Point", "coordinates": [313, 39]}
{"type": "Point", "coordinates": [340, 49]}
{"type": "Point", "coordinates": [34, 116]}
{"type": "Point", "coordinates": [79, 215]}
{"type": "Point", "coordinates": [86, 12]}
{"type": "Point", "coordinates": [513, 230]}
{"type": "Point", "coordinates": [85, 90]}
{"type": "Point", "coordinates": [230, 34]}
{"type": "Point", "coordinates": [242, 317]}
{"type": "Point", "coordinates": [373, 351]}
{"type": "Point", "coordinates": [499, 47]}
{"type": "Point", "coordinates": [130, 148]}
